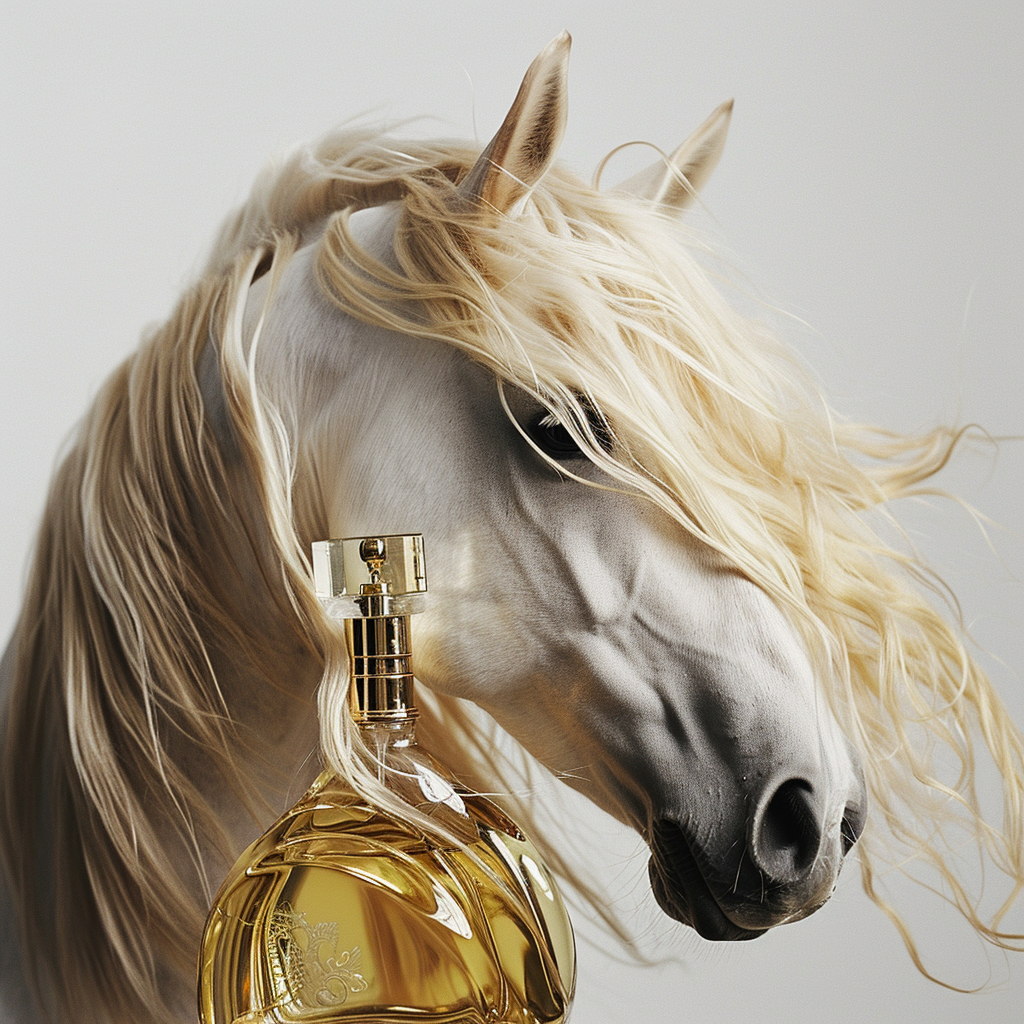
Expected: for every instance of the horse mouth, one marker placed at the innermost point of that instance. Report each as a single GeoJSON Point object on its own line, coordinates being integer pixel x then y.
{"type": "Point", "coordinates": [683, 893]}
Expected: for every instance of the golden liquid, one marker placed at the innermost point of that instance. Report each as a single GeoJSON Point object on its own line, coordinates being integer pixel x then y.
{"type": "Point", "coordinates": [340, 912]}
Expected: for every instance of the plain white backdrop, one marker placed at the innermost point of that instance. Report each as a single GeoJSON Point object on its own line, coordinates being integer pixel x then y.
{"type": "Point", "coordinates": [872, 185]}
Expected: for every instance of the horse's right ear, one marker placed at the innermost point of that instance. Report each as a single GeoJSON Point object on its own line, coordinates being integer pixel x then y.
{"type": "Point", "coordinates": [525, 145]}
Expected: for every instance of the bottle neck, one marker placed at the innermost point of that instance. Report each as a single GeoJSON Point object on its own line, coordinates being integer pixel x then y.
{"type": "Point", "coordinates": [387, 742]}
{"type": "Point", "coordinates": [394, 735]}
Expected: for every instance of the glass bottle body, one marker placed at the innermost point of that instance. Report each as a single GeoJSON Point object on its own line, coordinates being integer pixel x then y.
{"type": "Point", "coordinates": [344, 912]}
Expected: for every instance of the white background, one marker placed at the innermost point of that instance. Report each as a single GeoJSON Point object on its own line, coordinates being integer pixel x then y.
{"type": "Point", "coordinates": [871, 185]}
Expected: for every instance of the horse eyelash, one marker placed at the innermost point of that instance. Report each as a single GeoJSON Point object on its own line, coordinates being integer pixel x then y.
{"type": "Point", "coordinates": [567, 447]}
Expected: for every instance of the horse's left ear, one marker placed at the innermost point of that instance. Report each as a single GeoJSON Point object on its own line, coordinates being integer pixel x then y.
{"type": "Point", "coordinates": [525, 145]}
{"type": "Point", "coordinates": [676, 181]}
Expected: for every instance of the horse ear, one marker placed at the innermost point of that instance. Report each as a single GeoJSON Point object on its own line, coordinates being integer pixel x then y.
{"type": "Point", "coordinates": [524, 147]}
{"type": "Point", "coordinates": [676, 181]}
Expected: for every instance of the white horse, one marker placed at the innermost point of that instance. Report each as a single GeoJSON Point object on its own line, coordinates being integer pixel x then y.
{"type": "Point", "coordinates": [650, 550]}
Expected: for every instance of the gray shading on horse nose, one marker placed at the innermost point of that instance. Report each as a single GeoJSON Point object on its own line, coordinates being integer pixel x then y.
{"type": "Point", "coordinates": [787, 833]}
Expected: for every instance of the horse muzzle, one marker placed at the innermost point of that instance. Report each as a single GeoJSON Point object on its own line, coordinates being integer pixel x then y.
{"type": "Point", "coordinates": [734, 888]}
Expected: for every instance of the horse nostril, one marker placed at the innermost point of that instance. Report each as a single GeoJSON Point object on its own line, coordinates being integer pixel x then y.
{"type": "Point", "coordinates": [852, 826]}
{"type": "Point", "coordinates": [789, 834]}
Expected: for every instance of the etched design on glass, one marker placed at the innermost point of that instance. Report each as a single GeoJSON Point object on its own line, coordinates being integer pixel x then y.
{"type": "Point", "coordinates": [303, 956]}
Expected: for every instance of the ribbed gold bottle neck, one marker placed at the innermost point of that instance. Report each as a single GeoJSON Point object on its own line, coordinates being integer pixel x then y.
{"type": "Point", "coordinates": [380, 661]}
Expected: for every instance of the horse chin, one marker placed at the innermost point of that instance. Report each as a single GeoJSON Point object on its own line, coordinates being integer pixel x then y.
{"type": "Point", "coordinates": [688, 899]}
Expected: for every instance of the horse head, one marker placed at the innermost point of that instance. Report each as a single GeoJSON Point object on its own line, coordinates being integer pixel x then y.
{"type": "Point", "coordinates": [598, 624]}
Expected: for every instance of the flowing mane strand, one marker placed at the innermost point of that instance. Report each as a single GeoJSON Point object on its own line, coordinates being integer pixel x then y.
{"type": "Point", "coordinates": [586, 301]}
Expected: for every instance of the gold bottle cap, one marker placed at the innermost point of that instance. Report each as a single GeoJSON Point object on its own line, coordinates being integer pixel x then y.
{"type": "Point", "coordinates": [374, 584]}
{"type": "Point", "coordinates": [346, 570]}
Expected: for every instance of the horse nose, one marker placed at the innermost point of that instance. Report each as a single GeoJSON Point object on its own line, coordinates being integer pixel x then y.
{"type": "Point", "coordinates": [781, 866]}
{"type": "Point", "coordinates": [786, 833]}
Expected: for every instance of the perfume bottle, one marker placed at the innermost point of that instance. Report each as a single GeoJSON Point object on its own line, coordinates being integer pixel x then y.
{"type": "Point", "coordinates": [343, 911]}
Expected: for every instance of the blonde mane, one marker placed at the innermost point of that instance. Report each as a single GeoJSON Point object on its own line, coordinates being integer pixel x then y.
{"type": "Point", "coordinates": [586, 301]}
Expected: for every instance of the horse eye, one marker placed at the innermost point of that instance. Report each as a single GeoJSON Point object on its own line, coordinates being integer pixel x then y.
{"type": "Point", "coordinates": [552, 438]}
